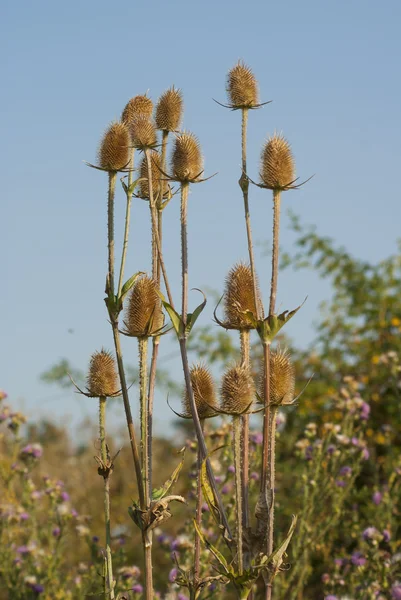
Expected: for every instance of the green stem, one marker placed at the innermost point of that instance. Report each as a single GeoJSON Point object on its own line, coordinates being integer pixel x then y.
{"type": "Point", "coordinates": [238, 489]}
{"type": "Point", "coordinates": [143, 387]}
{"type": "Point", "coordinates": [198, 512]}
{"type": "Point", "coordinates": [272, 473]}
{"type": "Point", "coordinates": [110, 225]}
{"type": "Point", "coordinates": [127, 224]}
{"type": "Point", "coordinates": [265, 491]}
{"type": "Point", "coordinates": [108, 580]}
{"type": "Point", "coordinates": [276, 248]}
{"type": "Point", "coordinates": [184, 251]}
{"type": "Point", "coordinates": [245, 351]}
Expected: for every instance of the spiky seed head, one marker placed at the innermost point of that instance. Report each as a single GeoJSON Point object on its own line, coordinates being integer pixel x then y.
{"type": "Point", "coordinates": [277, 169]}
{"type": "Point", "coordinates": [102, 378]}
{"type": "Point", "coordinates": [144, 315]}
{"type": "Point", "coordinates": [242, 87]}
{"type": "Point", "coordinates": [143, 132]}
{"type": "Point", "coordinates": [139, 105]}
{"type": "Point", "coordinates": [204, 392]}
{"type": "Point", "coordinates": [169, 110]}
{"type": "Point", "coordinates": [114, 148]}
{"type": "Point", "coordinates": [239, 297]}
{"type": "Point", "coordinates": [186, 161]}
{"type": "Point", "coordinates": [237, 390]}
{"type": "Point", "coordinates": [144, 184]}
{"type": "Point", "coordinates": [282, 378]}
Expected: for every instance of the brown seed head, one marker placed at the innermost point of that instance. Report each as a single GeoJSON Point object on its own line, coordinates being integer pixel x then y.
{"type": "Point", "coordinates": [113, 153]}
{"type": "Point", "coordinates": [239, 297]}
{"type": "Point", "coordinates": [237, 390]}
{"type": "Point", "coordinates": [144, 184]}
{"type": "Point", "coordinates": [204, 392]}
{"type": "Point", "coordinates": [186, 161]}
{"type": "Point", "coordinates": [143, 132]}
{"type": "Point", "coordinates": [139, 105]}
{"type": "Point", "coordinates": [242, 87]}
{"type": "Point", "coordinates": [102, 377]}
{"type": "Point", "coordinates": [277, 169]}
{"type": "Point", "coordinates": [144, 315]}
{"type": "Point", "coordinates": [169, 110]}
{"type": "Point", "coordinates": [282, 378]}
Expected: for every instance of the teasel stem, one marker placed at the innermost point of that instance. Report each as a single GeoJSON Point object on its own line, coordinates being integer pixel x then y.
{"type": "Point", "coordinates": [266, 481]}
{"type": "Point", "coordinates": [127, 223]}
{"type": "Point", "coordinates": [276, 247]}
{"type": "Point", "coordinates": [108, 581]}
{"type": "Point", "coordinates": [143, 393]}
{"type": "Point", "coordinates": [156, 339]}
{"type": "Point", "coordinates": [198, 511]}
{"type": "Point", "coordinates": [272, 470]}
{"type": "Point", "coordinates": [184, 251]}
{"type": "Point", "coordinates": [238, 490]}
{"type": "Point", "coordinates": [110, 225]}
{"type": "Point", "coordinates": [244, 184]}
{"type": "Point", "coordinates": [245, 350]}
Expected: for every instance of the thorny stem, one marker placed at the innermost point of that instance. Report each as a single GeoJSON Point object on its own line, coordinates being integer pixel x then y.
{"type": "Point", "coordinates": [143, 388]}
{"type": "Point", "coordinates": [275, 253]}
{"type": "Point", "coordinates": [272, 471]}
{"type": "Point", "coordinates": [127, 224]}
{"type": "Point", "coordinates": [108, 580]}
{"type": "Point", "coordinates": [110, 225]}
{"type": "Point", "coordinates": [245, 348]}
{"type": "Point", "coordinates": [244, 184]}
{"type": "Point", "coordinates": [265, 490]}
{"type": "Point", "coordinates": [184, 251]}
{"type": "Point", "coordinates": [238, 489]}
{"type": "Point", "coordinates": [198, 513]}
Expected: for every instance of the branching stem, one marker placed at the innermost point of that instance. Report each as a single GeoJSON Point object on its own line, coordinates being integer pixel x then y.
{"type": "Point", "coordinates": [108, 580]}
{"type": "Point", "coordinates": [238, 490]}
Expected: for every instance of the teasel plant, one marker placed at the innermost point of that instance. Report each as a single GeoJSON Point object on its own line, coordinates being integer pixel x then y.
{"type": "Point", "coordinates": [102, 383]}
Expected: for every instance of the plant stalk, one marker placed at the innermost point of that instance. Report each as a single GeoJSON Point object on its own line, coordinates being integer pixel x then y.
{"type": "Point", "coordinates": [198, 512]}
{"type": "Point", "coordinates": [127, 224]}
{"type": "Point", "coordinates": [184, 251]}
{"type": "Point", "coordinates": [238, 490]}
{"type": "Point", "coordinates": [245, 350]}
{"type": "Point", "coordinates": [108, 580]}
{"type": "Point", "coordinates": [110, 226]}
{"type": "Point", "coordinates": [143, 396]}
{"type": "Point", "coordinates": [276, 249]}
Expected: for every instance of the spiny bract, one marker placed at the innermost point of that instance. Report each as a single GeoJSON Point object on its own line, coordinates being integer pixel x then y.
{"type": "Point", "coordinates": [242, 87]}
{"type": "Point", "coordinates": [102, 378]}
{"type": "Point", "coordinates": [169, 110]}
{"type": "Point", "coordinates": [139, 105]}
{"type": "Point", "coordinates": [144, 316]}
{"type": "Point", "coordinates": [114, 150]}
{"type": "Point", "coordinates": [204, 392]}
{"type": "Point", "coordinates": [143, 132]}
{"type": "Point", "coordinates": [186, 161]}
{"type": "Point", "coordinates": [282, 378]}
{"type": "Point", "coordinates": [277, 169]}
{"type": "Point", "coordinates": [239, 297]}
{"type": "Point", "coordinates": [155, 171]}
{"type": "Point", "coordinates": [237, 390]}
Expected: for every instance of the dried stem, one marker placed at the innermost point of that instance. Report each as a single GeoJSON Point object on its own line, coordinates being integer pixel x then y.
{"type": "Point", "coordinates": [276, 248]}
{"type": "Point", "coordinates": [143, 396]}
{"type": "Point", "coordinates": [245, 350]}
{"type": "Point", "coordinates": [238, 490]}
{"type": "Point", "coordinates": [265, 482]}
{"type": "Point", "coordinates": [108, 580]}
{"type": "Point", "coordinates": [127, 223]}
{"type": "Point", "coordinates": [184, 251]}
{"type": "Point", "coordinates": [110, 225]}
{"type": "Point", "coordinates": [198, 512]}
{"type": "Point", "coordinates": [272, 471]}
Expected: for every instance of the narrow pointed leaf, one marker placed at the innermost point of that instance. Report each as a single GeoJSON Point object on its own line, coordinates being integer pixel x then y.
{"type": "Point", "coordinates": [128, 285]}
{"type": "Point", "coordinates": [276, 559]}
{"type": "Point", "coordinates": [159, 493]}
{"type": "Point", "coordinates": [192, 317]}
{"type": "Point", "coordinates": [219, 557]}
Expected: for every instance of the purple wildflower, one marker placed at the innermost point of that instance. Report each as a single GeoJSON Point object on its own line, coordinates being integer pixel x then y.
{"type": "Point", "coordinates": [231, 469]}
{"type": "Point", "coordinates": [56, 531]}
{"type": "Point", "coordinates": [396, 591]}
{"type": "Point", "coordinates": [331, 449]}
{"type": "Point", "coordinates": [386, 535]}
{"type": "Point", "coordinates": [254, 476]}
{"type": "Point", "coordinates": [325, 578]}
{"type": "Point", "coordinates": [38, 588]}
{"type": "Point", "coordinates": [95, 539]}
{"type": "Point", "coordinates": [218, 479]}
{"type": "Point", "coordinates": [225, 489]}
{"type": "Point", "coordinates": [377, 498]}
{"type": "Point", "coordinates": [365, 411]}
{"type": "Point", "coordinates": [370, 533]}
{"type": "Point", "coordinates": [137, 588]}
{"type": "Point", "coordinates": [330, 597]}
{"type": "Point", "coordinates": [205, 507]}
{"type": "Point", "coordinates": [339, 562]}
{"type": "Point", "coordinates": [182, 597]}
{"type": "Point", "coordinates": [24, 516]}
{"type": "Point", "coordinates": [340, 483]}
{"type": "Point", "coordinates": [309, 453]}
{"type": "Point", "coordinates": [23, 549]}
{"type": "Point", "coordinates": [257, 438]}
{"type": "Point", "coordinates": [357, 559]}
{"type": "Point", "coordinates": [345, 471]}
{"type": "Point", "coordinates": [65, 496]}
{"type": "Point", "coordinates": [173, 575]}
{"type": "Point", "coordinates": [365, 454]}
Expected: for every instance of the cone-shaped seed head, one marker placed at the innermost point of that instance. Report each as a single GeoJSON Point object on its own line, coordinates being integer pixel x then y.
{"type": "Point", "coordinates": [237, 390]}
{"type": "Point", "coordinates": [139, 105]}
{"type": "Point", "coordinates": [204, 392]}
{"type": "Point", "coordinates": [239, 297]}
{"type": "Point", "coordinates": [144, 314]}
{"type": "Point", "coordinates": [102, 378]}
{"type": "Point", "coordinates": [144, 184]}
{"type": "Point", "coordinates": [277, 169]}
{"type": "Point", "coordinates": [114, 148]}
{"type": "Point", "coordinates": [143, 132]}
{"type": "Point", "coordinates": [186, 161]}
{"type": "Point", "coordinates": [242, 87]}
{"type": "Point", "coordinates": [282, 378]}
{"type": "Point", "coordinates": [169, 110]}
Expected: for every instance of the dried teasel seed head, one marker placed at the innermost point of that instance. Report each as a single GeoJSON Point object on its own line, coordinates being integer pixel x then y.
{"type": "Point", "coordinates": [139, 105]}
{"type": "Point", "coordinates": [239, 297]}
{"type": "Point", "coordinates": [277, 168]}
{"type": "Point", "coordinates": [242, 87]}
{"type": "Point", "coordinates": [156, 174]}
{"type": "Point", "coordinates": [169, 110]}
{"type": "Point", "coordinates": [102, 378]}
{"type": "Point", "coordinates": [237, 390]}
{"type": "Point", "coordinates": [143, 132]}
{"type": "Point", "coordinates": [204, 392]}
{"type": "Point", "coordinates": [114, 148]}
{"type": "Point", "coordinates": [186, 161]}
{"type": "Point", "coordinates": [282, 378]}
{"type": "Point", "coordinates": [144, 316]}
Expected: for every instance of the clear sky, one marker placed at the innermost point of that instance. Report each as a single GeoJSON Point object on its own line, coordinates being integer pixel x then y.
{"type": "Point", "coordinates": [333, 72]}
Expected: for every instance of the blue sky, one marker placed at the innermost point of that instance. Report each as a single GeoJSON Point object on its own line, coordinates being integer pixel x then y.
{"type": "Point", "coordinates": [332, 70]}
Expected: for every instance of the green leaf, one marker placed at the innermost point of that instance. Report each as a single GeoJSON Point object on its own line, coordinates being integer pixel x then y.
{"type": "Point", "coordinates": [131, 189]}
{"type": "Point", "coordinates": [192, 317]}
{"type": "Point", "coordinates": [268, 328]}
{"type": "Point", "coordinates": [159, 493]}
{"type": "Point", "coordinates": [173, 314]}
{"type": "Point", "coordinates": [276, 559]}
{"type": "Point", "coordinates": [128, 285]}
{"type": "Point", "coordinates": [212, 549]}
